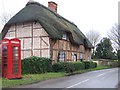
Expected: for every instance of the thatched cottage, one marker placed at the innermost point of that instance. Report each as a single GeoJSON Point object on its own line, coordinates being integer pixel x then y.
{"type": "Point", "coordinates": [45, 33]}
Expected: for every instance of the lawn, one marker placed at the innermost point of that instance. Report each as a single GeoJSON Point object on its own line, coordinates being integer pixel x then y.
{"type": "Point", "coordinates": [34, 78]}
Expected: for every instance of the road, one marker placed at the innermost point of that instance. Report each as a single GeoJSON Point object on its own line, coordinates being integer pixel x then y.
{"type": "Point", "coordinates": [107, 78]}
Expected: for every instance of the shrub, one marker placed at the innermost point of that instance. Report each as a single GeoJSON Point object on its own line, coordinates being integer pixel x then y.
{"type": "Point", "coordinates": [87, 64]}
{"type": "Point", "coordinates": [35, 64]}
{"type": "Point", "coordinates": [68, 67]}
{"type": "Point", "coordinates": [79, 65]}
{"type": "Point", "coordinates": [58, 67]}
{"type": "Point", "coordinates": [90, 64]}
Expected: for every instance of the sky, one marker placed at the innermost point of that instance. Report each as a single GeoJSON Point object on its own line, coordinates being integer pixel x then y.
{"type": "Point", "coordinates": [98, 15]}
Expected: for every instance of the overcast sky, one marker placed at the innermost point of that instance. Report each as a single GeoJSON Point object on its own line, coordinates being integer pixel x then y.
{"type": "Point", "coordinates": [99, 15]}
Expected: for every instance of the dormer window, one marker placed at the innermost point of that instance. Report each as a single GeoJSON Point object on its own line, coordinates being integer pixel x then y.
{"type": "Point", "coordinates": [64, 36]}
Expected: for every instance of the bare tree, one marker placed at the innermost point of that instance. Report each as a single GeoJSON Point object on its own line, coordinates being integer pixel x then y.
{"type": "Point", "coordinates": [114, 35]}
{"type": "Point", "coordinates": [93, 36]}
{"type": "Point", "coordinates": [5, 17]}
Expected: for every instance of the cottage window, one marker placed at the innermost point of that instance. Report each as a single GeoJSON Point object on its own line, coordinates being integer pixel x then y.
{"type": "Point", "coordinates": [64, 36]}
{"type": "Point", "coordinates": [61, 56]}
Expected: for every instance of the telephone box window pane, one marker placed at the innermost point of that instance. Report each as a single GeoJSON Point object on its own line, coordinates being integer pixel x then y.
{"type": "Point", "coordinates": [15, 51]}
{"type": "Point", "coordinates": [15, 60]}
{"type": "Point", "coordinates": [5, 64]}
{"type": "Point", "coordinates": [15, 48]}
{"type": "Point", "coordinates": [5, 48]}
{"type": "Point", "coordinates": [15, 54]}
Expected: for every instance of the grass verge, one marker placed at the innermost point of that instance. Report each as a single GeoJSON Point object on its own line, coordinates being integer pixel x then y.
{"type": "Point", "coordinates": [34, 78]}
{"type": "Point", "coordinates": [29, 79]}
{"type": "Point", "coordinates": [88, 70]}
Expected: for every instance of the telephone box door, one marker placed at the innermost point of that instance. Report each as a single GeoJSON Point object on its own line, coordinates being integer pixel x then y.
{"type": "Point", "coordinates": [5, 55]}
{"type": "Point", "coordinates": [16, 58]}
{"type": "Point", "coordinates": [16, 63]}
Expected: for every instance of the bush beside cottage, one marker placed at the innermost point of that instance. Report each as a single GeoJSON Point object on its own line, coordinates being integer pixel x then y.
{"type": "Point", "coordinates": [35, 65]}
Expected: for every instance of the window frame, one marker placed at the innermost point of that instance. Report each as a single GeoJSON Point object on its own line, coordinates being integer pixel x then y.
{"type": "Point", "coordinates": [64, 36]}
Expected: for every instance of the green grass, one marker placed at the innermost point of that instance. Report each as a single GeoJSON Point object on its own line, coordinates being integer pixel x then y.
{"type": "Point", "coordinates": [88, 70]}
{"type": "Point", "coordinates": [31, 78]}
{"type": "Point", "coordinates": [34, 78]}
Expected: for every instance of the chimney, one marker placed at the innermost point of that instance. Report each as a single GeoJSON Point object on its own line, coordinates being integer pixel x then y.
{"type": "Point", "coordinates": [52, 6]}
{"type": "Point", "coordinates": [31, 0]}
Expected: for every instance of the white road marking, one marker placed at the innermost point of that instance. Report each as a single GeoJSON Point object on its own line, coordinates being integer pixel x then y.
{"type": "Point", "coordinates": [112, 71]}
{"type": "Point", "coordinates": [78, 83]}
{"type": "Point", "coordinates": [105, 73]}
{"type": "Point", "coordinates": [101, 74]}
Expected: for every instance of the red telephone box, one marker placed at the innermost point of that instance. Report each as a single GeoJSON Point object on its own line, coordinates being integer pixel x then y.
{"type": "Point", "coordinates": [11, 58]}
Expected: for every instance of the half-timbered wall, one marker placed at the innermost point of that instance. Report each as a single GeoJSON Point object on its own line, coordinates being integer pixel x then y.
{"type": "Point", "coordinates": [70, 50]}
{"type": "Point", "coordinates": [34, 39]}
{"type": "Point", "coordinates": [87, 54]}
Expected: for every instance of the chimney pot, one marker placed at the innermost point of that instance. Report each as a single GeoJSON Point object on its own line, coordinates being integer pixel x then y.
{"type": "Point", "coordinates": [52, 6]}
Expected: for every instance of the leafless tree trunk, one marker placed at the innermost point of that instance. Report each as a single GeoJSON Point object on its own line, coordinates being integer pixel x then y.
{"type": "Point", "coordinates": [93, 36]}
{"type": "Point", "coordinates": [114, 35]}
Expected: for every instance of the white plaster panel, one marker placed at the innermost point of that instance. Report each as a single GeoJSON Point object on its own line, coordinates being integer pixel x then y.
{"type": "Point", "coordinates": [12, 28]}
{"type": "Point", "coordinates": [78, 56]}
{"type": "Point", "coordinates": [36, 43]}
{"type": "Point", "coordinates": [43, 32]}
{"type": "Point", "coordinates": [12, 34]}
{"type": "Point", "coordinates": [7, 35]}
{"type": "Point", "coordinates": [54, 55]}
{"type": "Point", "coordinates": [24, 31]}
{"type": "Point", "coordinates": [36, 53]}
{"type": "Point", "coordinates": [22, 56]}
{"type": "Point", "coordinates": [64, 46]}
{"type": "Point", "coordinates": [27, 43]}
{"type": "Point", "coordinates": [45, 42]}
{"type": "Point", "coordinates": [45, 53]}
{"type": "Point", "coordinates": [68, 46]}
{"type": "Point", "coordinates": [36, 32]}
{"type": "Point", "coordinates": [27, 54]}
{"type": "Point", "coordinates": [19, 26]}
{"type": "Point", "coordinates": [21, 43]}
{"type": "Point", "coordinates": [36, 25]}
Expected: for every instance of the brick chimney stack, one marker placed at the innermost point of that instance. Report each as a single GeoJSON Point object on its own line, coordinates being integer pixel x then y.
{"type": "Point", "coordinates": [52, 6]}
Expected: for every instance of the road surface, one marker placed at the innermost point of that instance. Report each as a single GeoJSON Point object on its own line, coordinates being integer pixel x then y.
{"type": "Point", "coordinates": [107, 78]}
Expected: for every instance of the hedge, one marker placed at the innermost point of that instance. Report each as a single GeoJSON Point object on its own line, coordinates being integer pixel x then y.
{"type": "Point", "coordinates": [35, 64]}
{"type": "Point", "coordinates": [90, 64]}
{"type": "Point", "coordinates": [68, 67]}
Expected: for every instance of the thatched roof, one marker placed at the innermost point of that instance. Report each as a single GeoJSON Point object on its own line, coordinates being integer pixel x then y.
{"type": "Point", "coordinates": [54, 24]}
